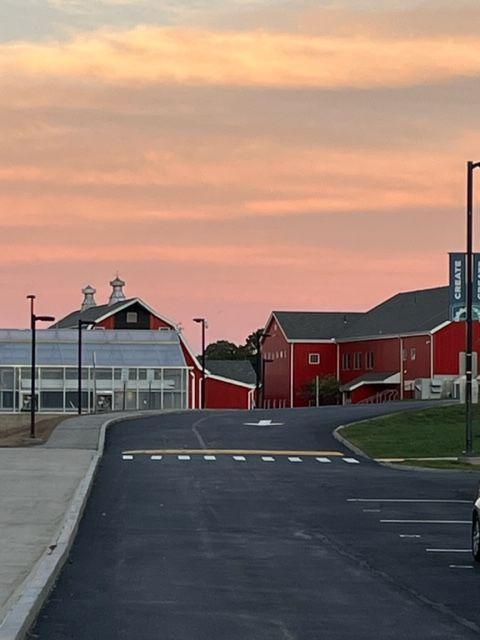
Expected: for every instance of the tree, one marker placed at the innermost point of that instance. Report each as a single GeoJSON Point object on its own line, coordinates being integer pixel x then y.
{"type": "Point", "coordinates": [223, 350]}
{"type": "Point", "coordinates": [328, 390]}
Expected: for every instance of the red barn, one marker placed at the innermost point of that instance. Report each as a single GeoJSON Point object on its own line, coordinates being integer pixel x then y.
{"type": "Point", "coordinates": [404, 347]}
{"type": "Point", "coordinates": [122, 313]}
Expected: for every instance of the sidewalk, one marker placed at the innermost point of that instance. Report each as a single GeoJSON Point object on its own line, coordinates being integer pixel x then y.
{"type": "Point", "coordinates": [43, 491]}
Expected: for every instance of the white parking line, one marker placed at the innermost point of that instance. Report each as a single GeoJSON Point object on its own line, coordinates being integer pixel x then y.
{"type": "Point", "coordinates": [406, 500]}
{"type": "Point", "coordinates": [428, 521]}
{"type": "Point", "coordinates": [323, 459]}
{"type": "Point", "coordinates": [184, 457]}
{"type": "Point", "coordinates": [351, 460]}
{"type": "Point", "coordinates": [239, 458]}
{"type": "Point", "coordinates": [448, 550]}
{"type": "Point", "coordinates": [268, 459]}
{"type": "Point", "coordinates": [294, 459]}
{"type": "Point", "coordinates": [156, 457]}
{"type": "Point", "coordinates": [209, 457]}
{"type": "Point", "coordinates": [410, 535]}
{"type": "Point", "coordinates": [127, 457]}
{"type": "Point", "coordinates": [371, 510]}
{"type": "Point", "coordinates": [461, 566]}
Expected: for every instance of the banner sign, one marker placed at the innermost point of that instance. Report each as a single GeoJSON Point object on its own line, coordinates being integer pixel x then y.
{"type": "Point", "coordinates": [458, 287]}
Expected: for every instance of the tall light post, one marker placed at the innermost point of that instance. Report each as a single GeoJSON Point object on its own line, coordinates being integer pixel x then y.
{"type": "Point", "coordinates": [204, 324]}
{"type": "Point", "coordinates": [265, 361]}
{"type": "Point", "coordinates": [259, 336]}
{"type": "Point", "coordinates": [33, 321]}
{"type": "Point", "coordinates": [471, 166]}
{"type": "Point", "coordinates": [81, 324]}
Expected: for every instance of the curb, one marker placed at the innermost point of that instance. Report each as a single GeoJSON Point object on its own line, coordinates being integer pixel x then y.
{"type": "Point", "coordinates": [34, 590]}
{"type": "Point", "coordinates": [346, 443]}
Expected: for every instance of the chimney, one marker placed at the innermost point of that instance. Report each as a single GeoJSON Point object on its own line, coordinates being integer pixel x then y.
{"type": "Point", "coordinates": [117, 293]}
{"type": "Point", "coordinates": [89, 299]}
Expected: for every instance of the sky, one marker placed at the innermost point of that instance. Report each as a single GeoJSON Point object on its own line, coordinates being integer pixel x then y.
{"type": "Point", "coordinates": [229, 158]}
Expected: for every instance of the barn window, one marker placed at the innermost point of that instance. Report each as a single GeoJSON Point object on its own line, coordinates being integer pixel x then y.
{"type": "Point", "coordinates": [132, 317]}
{"type": "Point", "coordinates": [413, 353]}
{"type": "Point", "coordinates": [313, 358]}
{"type": "Point", "coordinates": [369, 360]}
{"type": "Point", "coordinates": [357, 360]}
{"type": "Point", "coordinates": [346, 361]}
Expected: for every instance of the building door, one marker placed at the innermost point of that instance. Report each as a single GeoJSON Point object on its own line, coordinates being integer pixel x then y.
{"type": "Point", "coordinates": [104, 402]}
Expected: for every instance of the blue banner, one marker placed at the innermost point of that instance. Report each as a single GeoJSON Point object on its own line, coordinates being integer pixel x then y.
{"type": "Point", "coordinates": [458, 287]}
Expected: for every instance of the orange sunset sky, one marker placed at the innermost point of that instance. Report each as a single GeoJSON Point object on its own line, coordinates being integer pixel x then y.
{"type": "Point", "coordinates": [233, 157]}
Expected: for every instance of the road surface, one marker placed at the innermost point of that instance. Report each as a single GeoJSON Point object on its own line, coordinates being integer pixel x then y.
{"type": "Point", "coordinates": [203, 527]}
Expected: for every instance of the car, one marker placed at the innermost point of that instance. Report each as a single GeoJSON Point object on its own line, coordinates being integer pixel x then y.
{"type": "Point", "coordinates": [476, 528]}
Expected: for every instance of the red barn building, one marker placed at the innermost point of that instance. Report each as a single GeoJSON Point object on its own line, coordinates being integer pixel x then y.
{"type": "Point", "coordinates": [121, 313]}
{"type": "Point", "coordinates": [404, 347]}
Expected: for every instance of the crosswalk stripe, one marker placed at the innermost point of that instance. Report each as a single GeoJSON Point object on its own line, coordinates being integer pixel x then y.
{"type": "Point", "coordinates": [127, 457]}
{"type": "Point", "coordinates": [184, 457]}
{"type": "Point", "coordinates": [294, 459]}
{"type": "Point", "coordinates": [268, 459]}
{"type": "Point", "coordinates": [156, 457]}
{"type": "Point", "coordinates": [323, 459]}
{"type": "Point", "coordinates": [239, 458]}
{"type": "Point", "coordinates": [351, 460]}
{"type": "Point", "coordinates": [209, 457]}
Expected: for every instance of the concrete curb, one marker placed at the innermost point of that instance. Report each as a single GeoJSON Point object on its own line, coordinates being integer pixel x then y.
{"type": "Point", "coordinates": [346, 443]}
{"type": "Point", "coordinates": [30, 596]}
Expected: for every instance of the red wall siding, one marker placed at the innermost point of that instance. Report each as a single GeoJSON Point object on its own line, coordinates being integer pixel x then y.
{"type": "Point", "coordinates": [277, 373]}
{"type": "Point", "coordinates": [225, 395]}
{"type": "Point", "coordinates": [419, 367]}
{"type": "Point", "coordinates": [386, 354]}
{"type": "Point", "coordinates": [108, 323]}
{"type": "Point", "coordinates": [304, 372]}
{"type": "Point", "coordinates": [156, 323]}
{"type": "Point", "coordinates": [448, 343]}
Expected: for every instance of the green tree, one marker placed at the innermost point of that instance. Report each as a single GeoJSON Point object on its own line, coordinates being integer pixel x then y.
{"type": "Point", "coordinates": [328, 390]}
{"type": "Point", "coordinates": [223, 350]}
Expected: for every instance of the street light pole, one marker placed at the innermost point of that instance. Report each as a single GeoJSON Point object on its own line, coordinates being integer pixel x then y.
{"type": "Point", "coordinates": [471, 166]}
{"type": "Point", "coordinates": [33, 322]}
{"type": "Point", "coordinates": [203, 322]}
{"type": "Point", "coordinates": [81, 323]}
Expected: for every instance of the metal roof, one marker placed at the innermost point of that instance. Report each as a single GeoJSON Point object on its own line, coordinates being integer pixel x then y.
{"type": "Point", "coordinates": [314, 325]}
{"type": "Point", "coordinates": [240, 370]}
{"type": "Point", "coordinates": [58, 347]}
{"type": "Point", "coordinates": [381, 377]}
{"type": "Point", "coordinates": [408, 312]}
{"type": "Point", "coordinates": [92, 314]}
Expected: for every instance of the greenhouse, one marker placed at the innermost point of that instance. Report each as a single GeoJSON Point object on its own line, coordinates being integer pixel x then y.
{"type": "Point", "coordinates": [122, 370]}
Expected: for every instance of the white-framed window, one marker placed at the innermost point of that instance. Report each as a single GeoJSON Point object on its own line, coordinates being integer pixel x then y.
{"type": "Point", "coordinates": [369, 360]}
{"type": "Point", "coordinates": [313, 358]}
{"type": "Point", "coordinates": [404, 355]}
{"type": "Point", "coordinates": [132, 317]}
{"type": "Point", "coordinates": [346, 361]}
{"type": "Point", "coordinates": [357, 360]}
{"type": "Point", "coordinates": [413, 353]}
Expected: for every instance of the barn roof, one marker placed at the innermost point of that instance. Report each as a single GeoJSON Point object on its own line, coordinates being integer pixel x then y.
{"type": "Point", "coordinates": [314, 325]}
{"type": "Point", "coordinates": [408, 312]}
{"type": "Point", "coordinates": [91, 314]}
{"type": "Point", "coordinates": [240, 370]}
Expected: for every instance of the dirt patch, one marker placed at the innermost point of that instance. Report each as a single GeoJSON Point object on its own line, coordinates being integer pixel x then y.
{"type": "Point", "coordinates": [15, 430]}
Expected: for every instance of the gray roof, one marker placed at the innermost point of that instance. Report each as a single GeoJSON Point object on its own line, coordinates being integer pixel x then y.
{"type": "Point", "coordinates": [408, 312]}
{"type": "Point", "coordinates": [369, 378]}
{"type": "Point", "coordinates": [70, 321]}
{"type": "Point", "coordinates": [58, 347]}
{"type": "Point", "coordinates": [240, 370]}
{"type": "Point", "coordinates": [315, 325]}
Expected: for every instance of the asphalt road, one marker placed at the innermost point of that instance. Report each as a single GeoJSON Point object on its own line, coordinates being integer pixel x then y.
{"type": "Point", "coordinates": [236, 541]}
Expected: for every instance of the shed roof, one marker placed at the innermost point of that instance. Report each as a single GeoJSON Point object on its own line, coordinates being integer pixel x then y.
{"type": "Point", "coordinates": [240, 370]}
{"type": "Point", "coordinates": [315, 325]}
{"type": "Point", "coordinates": [119, 348]}
{"type": "Point", "coordinates": [380, 377]}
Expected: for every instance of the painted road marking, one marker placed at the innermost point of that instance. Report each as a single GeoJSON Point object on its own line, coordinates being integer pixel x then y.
{"type": "Point", "coordinates": [184, 457]}
{"type": "Point", "coordinates": [127, 457]}
{"type": "Point", "coordinates": [448, 550]}
{"type": "Point", "coordinates": [410, 535]}
{"type": "Point", "coordinates": [209, 457]}
{"type": "Point", "coordinates": [351, 460]}
{"type": "Point", "coordinates": [428, 521]}
{"type": "Point", "coordinates": [156, 457]}
{"type": "Point", "coordinates": [239, 458]}
{"type": "Point", "coordinates": [371, 510]}
{"type": "Point", "coordinates": [232, 452]}
{"type": "Point", "coordinates": [406, 500]}
{"type": "Point", "coordinates": [268, 459]}
{"type": "Point", "coordinates": [294, 459]}
{"type": "Point", "coordinates": [323, 459]}
{"type": "Point", "coordinates": [461, 566]}
{"type": "Point", "coordinates": [263, 423]}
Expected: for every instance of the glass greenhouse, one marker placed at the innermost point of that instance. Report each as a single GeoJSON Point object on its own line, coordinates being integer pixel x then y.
{"type": "Point", "coordinates": [122, 370]}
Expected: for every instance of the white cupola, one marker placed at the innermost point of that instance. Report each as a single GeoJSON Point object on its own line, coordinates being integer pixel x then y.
{"type": "Point", "coordinates": [89, 297]}
{"type": "Point", "coordinates": [117, 294]}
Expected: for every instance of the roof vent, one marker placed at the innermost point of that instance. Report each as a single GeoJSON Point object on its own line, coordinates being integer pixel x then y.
{"type": "Point", "coordinates": [89, 299]}
{"type": "Point", "coordinates": [117, 293]}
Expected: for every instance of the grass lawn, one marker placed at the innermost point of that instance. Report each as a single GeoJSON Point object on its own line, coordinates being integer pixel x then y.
{"type": "Point", "coordinates": [439, 431]}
